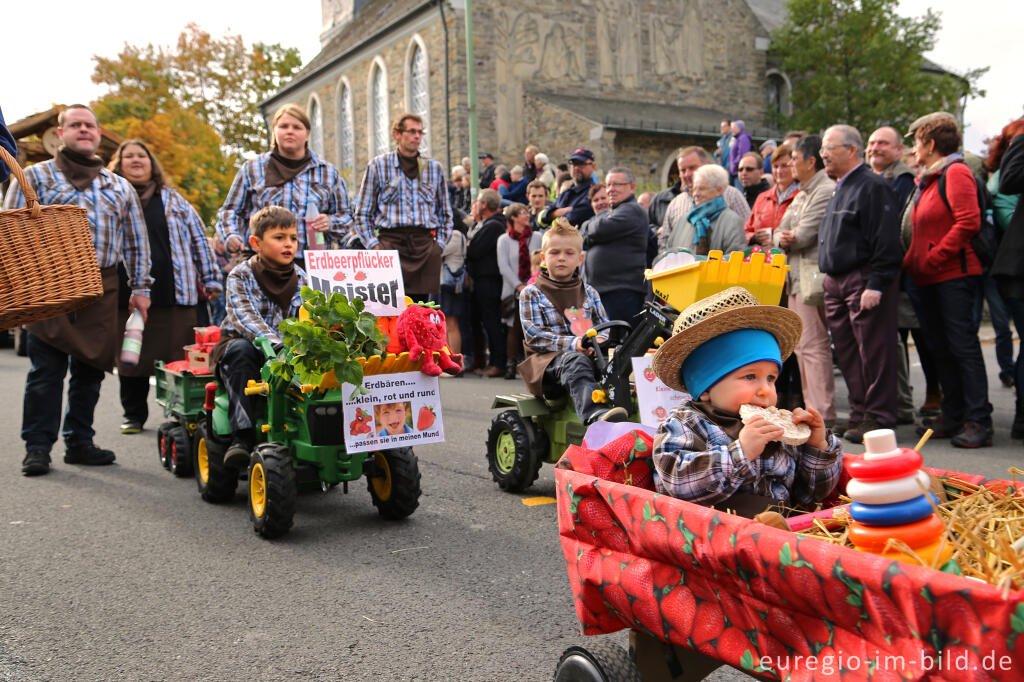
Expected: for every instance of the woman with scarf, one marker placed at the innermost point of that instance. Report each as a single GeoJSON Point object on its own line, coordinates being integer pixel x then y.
{"type": "Point", "coordinates": [514, 264]}
{"type": "Point", "coordinates": [290, 175]}
{"type": "Point", "coordinates": [181, 256]}
{"type": "Point", "coordinates": [710, 225]}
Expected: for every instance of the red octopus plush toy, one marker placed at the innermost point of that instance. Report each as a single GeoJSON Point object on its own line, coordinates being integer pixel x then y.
{"type": "Point", "coordinates": [421, 331]}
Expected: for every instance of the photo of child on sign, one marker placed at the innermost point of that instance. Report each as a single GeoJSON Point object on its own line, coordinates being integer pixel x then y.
{"type": "Point", "coordinates": [393, 418]}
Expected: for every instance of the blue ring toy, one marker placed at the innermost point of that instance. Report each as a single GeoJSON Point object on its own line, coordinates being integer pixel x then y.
{"type": "Point", "coordinates": [895, 514]}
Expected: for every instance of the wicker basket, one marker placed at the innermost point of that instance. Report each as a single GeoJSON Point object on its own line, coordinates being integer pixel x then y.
{"type": "Point", "coordinates": [48, 262]}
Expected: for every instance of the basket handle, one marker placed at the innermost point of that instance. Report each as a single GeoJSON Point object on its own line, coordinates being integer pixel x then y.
{"type": "Point", "coordinates": [30, 194]}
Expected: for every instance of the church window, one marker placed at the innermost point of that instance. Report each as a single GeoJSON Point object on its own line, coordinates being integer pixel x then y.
{"type": "Point", "coordinates": [417, 88]}
{"type": "Point", "coordinates": [379, 110]}
{"type": "Point", "coordinates": [346, 134]}
{"type": "Point", "coordinates": [316, 122]}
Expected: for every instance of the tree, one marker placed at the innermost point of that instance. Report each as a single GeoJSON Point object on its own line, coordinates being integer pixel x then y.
{"type": "Point", "coordinates": [858, 62]}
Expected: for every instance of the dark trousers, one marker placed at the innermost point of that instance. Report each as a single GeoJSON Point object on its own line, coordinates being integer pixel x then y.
{"type": "Point", "coordinates": [924, 350]}
{"type": "Point", "coordinates": [947, 312]}
{"type": "Point", "coordinates": [623, 305]}
{"type": "Point", "coordinates": [240, 362]}
{"type": "Point", "coordinates": [487, 299]}
{"type": "Point", "coordinates": [1015, 306]}
{"type": "Point", "coordinates": [134, 398]}
{"type": "Point", "coordinates": [574, 371]}
{"type": "Point", "coordinates": [1000, 316]}
{"type": "Point", "coordinates": [866, 348]}
{"type": "Point", "coordinates": [44, 391]}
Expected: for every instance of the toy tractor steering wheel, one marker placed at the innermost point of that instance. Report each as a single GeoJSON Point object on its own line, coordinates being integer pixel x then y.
{"type": "Point", "coordinates": [590, 339]}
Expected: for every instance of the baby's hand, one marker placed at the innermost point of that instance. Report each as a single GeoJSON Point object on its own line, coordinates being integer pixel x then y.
{"type": "Point", "coordinates": [756, 434]}
{"type": "Point", "coordinates": [813, 419]}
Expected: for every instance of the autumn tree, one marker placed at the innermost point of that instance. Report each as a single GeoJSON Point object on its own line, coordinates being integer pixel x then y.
{"type": "Point", "coordinates": [859, 62]}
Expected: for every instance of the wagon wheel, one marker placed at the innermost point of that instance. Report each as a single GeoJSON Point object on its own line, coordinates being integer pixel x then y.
{"type": "Point", "coordinates": [393, 480]}
{"type": "Point", "coordinates": [179, 452]}
{"type": "Point", "coordinates": [163, 443]}
{"type": "Point", "coordinates": [513, 455]}
{"type": "Point", "coordinates": [215, 481]}
{"type": "Point", "coordinates": [272, 490]}
{"type": "Point", "coordinates": [598, 662]}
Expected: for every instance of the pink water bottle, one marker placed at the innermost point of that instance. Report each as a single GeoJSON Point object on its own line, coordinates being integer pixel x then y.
{"type": "Point", "coordinates": [131, 346]}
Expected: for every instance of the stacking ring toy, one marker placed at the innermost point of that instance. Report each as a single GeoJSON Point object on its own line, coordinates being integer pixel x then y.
{"type": "Point", "coordinates": [885, 468]}
{"type": "Point", "coordinates": [917, 534]}
{"type": "Point", "coordinates": [927, 554]}
{"type": "Point", "coordinates": [887, 492]}
{"type": "Point", "coordinates": [895, 514]}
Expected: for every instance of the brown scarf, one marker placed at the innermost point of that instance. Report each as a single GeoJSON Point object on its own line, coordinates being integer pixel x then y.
{"type": "Point", "coordinates": [563, 295]}
{"type": "Point", "coordinates": [728, 422]}
{"type": "Point", "coordinates": [410, 165]}
{"type": "Point", "coordinates": [145, 191]}
{"type": "Point", "coordinates": [282, 170]}
{"type": "Point", "coordinates": [80, 170]}
{"type": "Point", "coordinates": [278, 283]}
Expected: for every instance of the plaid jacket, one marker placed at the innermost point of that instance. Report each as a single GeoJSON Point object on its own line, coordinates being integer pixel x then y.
{"type": "Point", "coordinates": [114, 212]}
{"type": "Point", "coordinates": [545, 328]}
{"type": "Point", "coordinates": [319, 183]}
{"type": "Point", "coordinates": [249, 312]}
{"type": "Point", "coordinates": [388, 199]}
{"type": "Point", "coordinates": [695, 460]}
{"type": "Point", "coordinates": [191, 253]}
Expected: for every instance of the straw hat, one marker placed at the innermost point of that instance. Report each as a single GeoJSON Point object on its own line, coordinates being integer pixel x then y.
{"type": "Point", "coordinates": [728, 310]}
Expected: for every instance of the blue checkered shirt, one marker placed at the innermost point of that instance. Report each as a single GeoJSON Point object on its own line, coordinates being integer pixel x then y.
{"type": "Point", "coordinates": [112, 207]}
{"type": "Point", "coordinates": [388, 199]}
{"type": "Point", "coordinates": [191, 253]}
{"type": "Point", "coordinates": [318, 183]}
{"type": "Point", "coordinates": [545, 328]}
{"type": "Point", "coordinates": [249, 312]}
{"type": "Point", "coordinates": [697, 461]}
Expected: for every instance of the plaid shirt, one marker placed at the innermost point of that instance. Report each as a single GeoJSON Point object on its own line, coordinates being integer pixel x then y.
{"type": "Point", "coordinates": [697, 461]}
{"type": "Point", "coordinates": [318, 183]}
{"type": "Point", "coordinates": [545, 328]}
{"type": "Point", "coordinates": [191, 253]}
{"type": "Point", "coordinates": [250, 313]}
{"type": "Point", "coordinates": [387, 199]}
{"type": "Point", "coordinates": [112, 207]}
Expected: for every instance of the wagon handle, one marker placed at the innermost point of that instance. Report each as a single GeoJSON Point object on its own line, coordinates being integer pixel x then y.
{"type": "Point", "coordinates": [30, 194]}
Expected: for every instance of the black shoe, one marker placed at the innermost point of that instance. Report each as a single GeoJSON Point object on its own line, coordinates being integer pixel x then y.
{"type": "Point", "coordinates": [1017, 430]}
{"type": "Point", "coordinates": [1006, 378]}
{"type": "Point", "coordinates": [90, 455]}
{"type": "Point", "coordinates": [510, 369]}
{"type": "Point", "coordinates": [130, 426]}
{"type": "Point", "coordinates": [973, 435]}
{"type": "Point", "coordinates": [237, 454]}
{"type": "Point", "coordinates": [614, 414]}
{"type": "Point", "coordinates": [855, 434]}
{"type": "Point", "coordinates": [36, 463]}
{"type": "Point", "coordinates": [941, 426]}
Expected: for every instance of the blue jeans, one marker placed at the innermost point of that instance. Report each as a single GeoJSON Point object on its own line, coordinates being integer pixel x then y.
{"type": "Point", "coordinates": [1000, 324]}
{"type": "Point", "coordinates": [44, 391]}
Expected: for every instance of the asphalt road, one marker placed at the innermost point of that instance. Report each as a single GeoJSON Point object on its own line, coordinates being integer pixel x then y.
{"type": "Point", "coordinates": [123, 572]}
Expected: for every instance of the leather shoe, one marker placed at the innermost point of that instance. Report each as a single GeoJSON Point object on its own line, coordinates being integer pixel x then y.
{"type": "Point", "coordinates": [855, 434]}
{"type": "Point", "coordinates": [614, 414]}
{"type": "Point", "coordinates": [973, 435]}
{"type": "Point", "coordinates": [90, 455]}
{"type": "Point", "coordinates": [941, 426]}
{"type": "Point", "coordinates": [36, 463]}
{"type": "Point", "coordinates": [489, 372]}
{"type": "Point", "coordinates": [1017, 430]}
{"type": "Point", "coordinates": [510, 369]}
{"type": "Point", "coordinates": [1006, 378]}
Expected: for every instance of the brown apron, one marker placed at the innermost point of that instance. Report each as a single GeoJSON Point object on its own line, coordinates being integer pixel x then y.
{"type": "Point", "coordinates": [420, 257]}
{"type": "Point", "coordinates": [168, 330]}
{"type": "Point", "coordinates": [90, 334]}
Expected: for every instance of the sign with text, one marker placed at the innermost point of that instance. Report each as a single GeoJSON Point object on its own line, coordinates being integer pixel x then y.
{"type": "Point", "coordinates": [373, 276]}
{"type": "Point", "coordinates": [656, 399]}
{"type": "Point", "coordinates": [400, 410]}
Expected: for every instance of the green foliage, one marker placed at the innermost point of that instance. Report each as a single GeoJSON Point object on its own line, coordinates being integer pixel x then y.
{"type": "Point", "coordinates": [338, 331]}
{"type": "Point", "coordinates": [859, 62]}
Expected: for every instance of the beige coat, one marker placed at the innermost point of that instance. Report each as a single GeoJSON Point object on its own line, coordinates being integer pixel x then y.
{"type": "Point", "coordinates": [804, 219]}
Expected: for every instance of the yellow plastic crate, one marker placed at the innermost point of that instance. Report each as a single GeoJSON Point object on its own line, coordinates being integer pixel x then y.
{"type": "Point", "coordinates": [679, 287]}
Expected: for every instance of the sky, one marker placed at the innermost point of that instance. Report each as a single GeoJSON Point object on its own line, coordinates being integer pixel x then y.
{"type": "Point", "coordinates": [973, 35]}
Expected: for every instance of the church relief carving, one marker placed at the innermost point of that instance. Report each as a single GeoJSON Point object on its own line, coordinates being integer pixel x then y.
{"type": "Point", "coordinates": [618, 43]}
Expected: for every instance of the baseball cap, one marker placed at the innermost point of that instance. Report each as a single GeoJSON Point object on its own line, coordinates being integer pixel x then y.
{"type": "Point", "coordinates": [928, 118]}
{"type": "Point", "coordinates": [484, 155]}
{"type": "Point", "coordinates": [581, 155]}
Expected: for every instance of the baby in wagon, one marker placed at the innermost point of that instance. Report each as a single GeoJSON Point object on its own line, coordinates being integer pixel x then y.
{"type": "Point", "coordinates": [726, 351]}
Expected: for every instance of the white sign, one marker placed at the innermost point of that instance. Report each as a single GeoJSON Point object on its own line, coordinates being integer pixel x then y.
{"type": "Point", "coordinates": [400, 410]}
{"type": "Point", "coordinates": [373, 276]}
{"type": "Point", "coordinates": [656, 399]}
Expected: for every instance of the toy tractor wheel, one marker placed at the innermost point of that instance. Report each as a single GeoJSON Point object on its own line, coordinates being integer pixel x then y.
{"type": "Point", "coordinates": [272, 490]}
{"type": "Point", "coordinates": [598, 662]}
{"type": "Point", "coordinates": [513, 451]}
{"type": "Point", "coordinates": [215, 481]}
{"type": "Point", "coordinates": [394, 483]}
{"type": "Point", "coordinates": [179, 455]}
{"type": "Point", "coordinates": [163, 443]}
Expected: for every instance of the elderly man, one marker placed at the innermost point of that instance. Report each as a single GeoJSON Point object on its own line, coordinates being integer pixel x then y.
{"type": "Point", "coordinates": [616, 244]}
{"type": "Point", "coordinates": [487, 174]}
{"type": "Point", "coordinates": [859, 254]}
{"type": "Point", "coordinates": [751, 172]}
{"type": "Point", "coordinates": [86, 340]}
{"type": "Point", "coordinates": [403, 205]}
{"type": "Point", "coordinates": [688, 160]}
{"type": "Point", "coordinates": [883, 155]}
{"type": "Point", "coordinates": [574, 203]}
{"type": "Point", "coordinates": [530, 162]}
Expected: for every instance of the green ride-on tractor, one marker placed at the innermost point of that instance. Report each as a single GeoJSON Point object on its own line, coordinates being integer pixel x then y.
{"type": "Point", "coordinates": [535, 430]}
{"type": "Point", "coordinates": [304, 447]}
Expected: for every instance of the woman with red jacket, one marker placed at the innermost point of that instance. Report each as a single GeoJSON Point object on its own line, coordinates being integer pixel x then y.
{"type": "Point", "coordinates": [942, 263]}
{"type": "Point", "coordinates": [770, 205]}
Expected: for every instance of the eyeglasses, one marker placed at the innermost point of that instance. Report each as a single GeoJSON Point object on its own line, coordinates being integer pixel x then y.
{"type": "Point", "coordinates": [414, 131]}
{"type": "Point", "coordinates": [835, 146]}
{"type": "Point", "coordinates": [618, 184]}
{"type": "Point", "coordinates": [747, 168]}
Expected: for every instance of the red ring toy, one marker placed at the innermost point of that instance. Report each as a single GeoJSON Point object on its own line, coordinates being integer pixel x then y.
{"type": "Point", "coordinates": [917, 534]}
{"type": "Point", "coordinates": [885, 468]}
